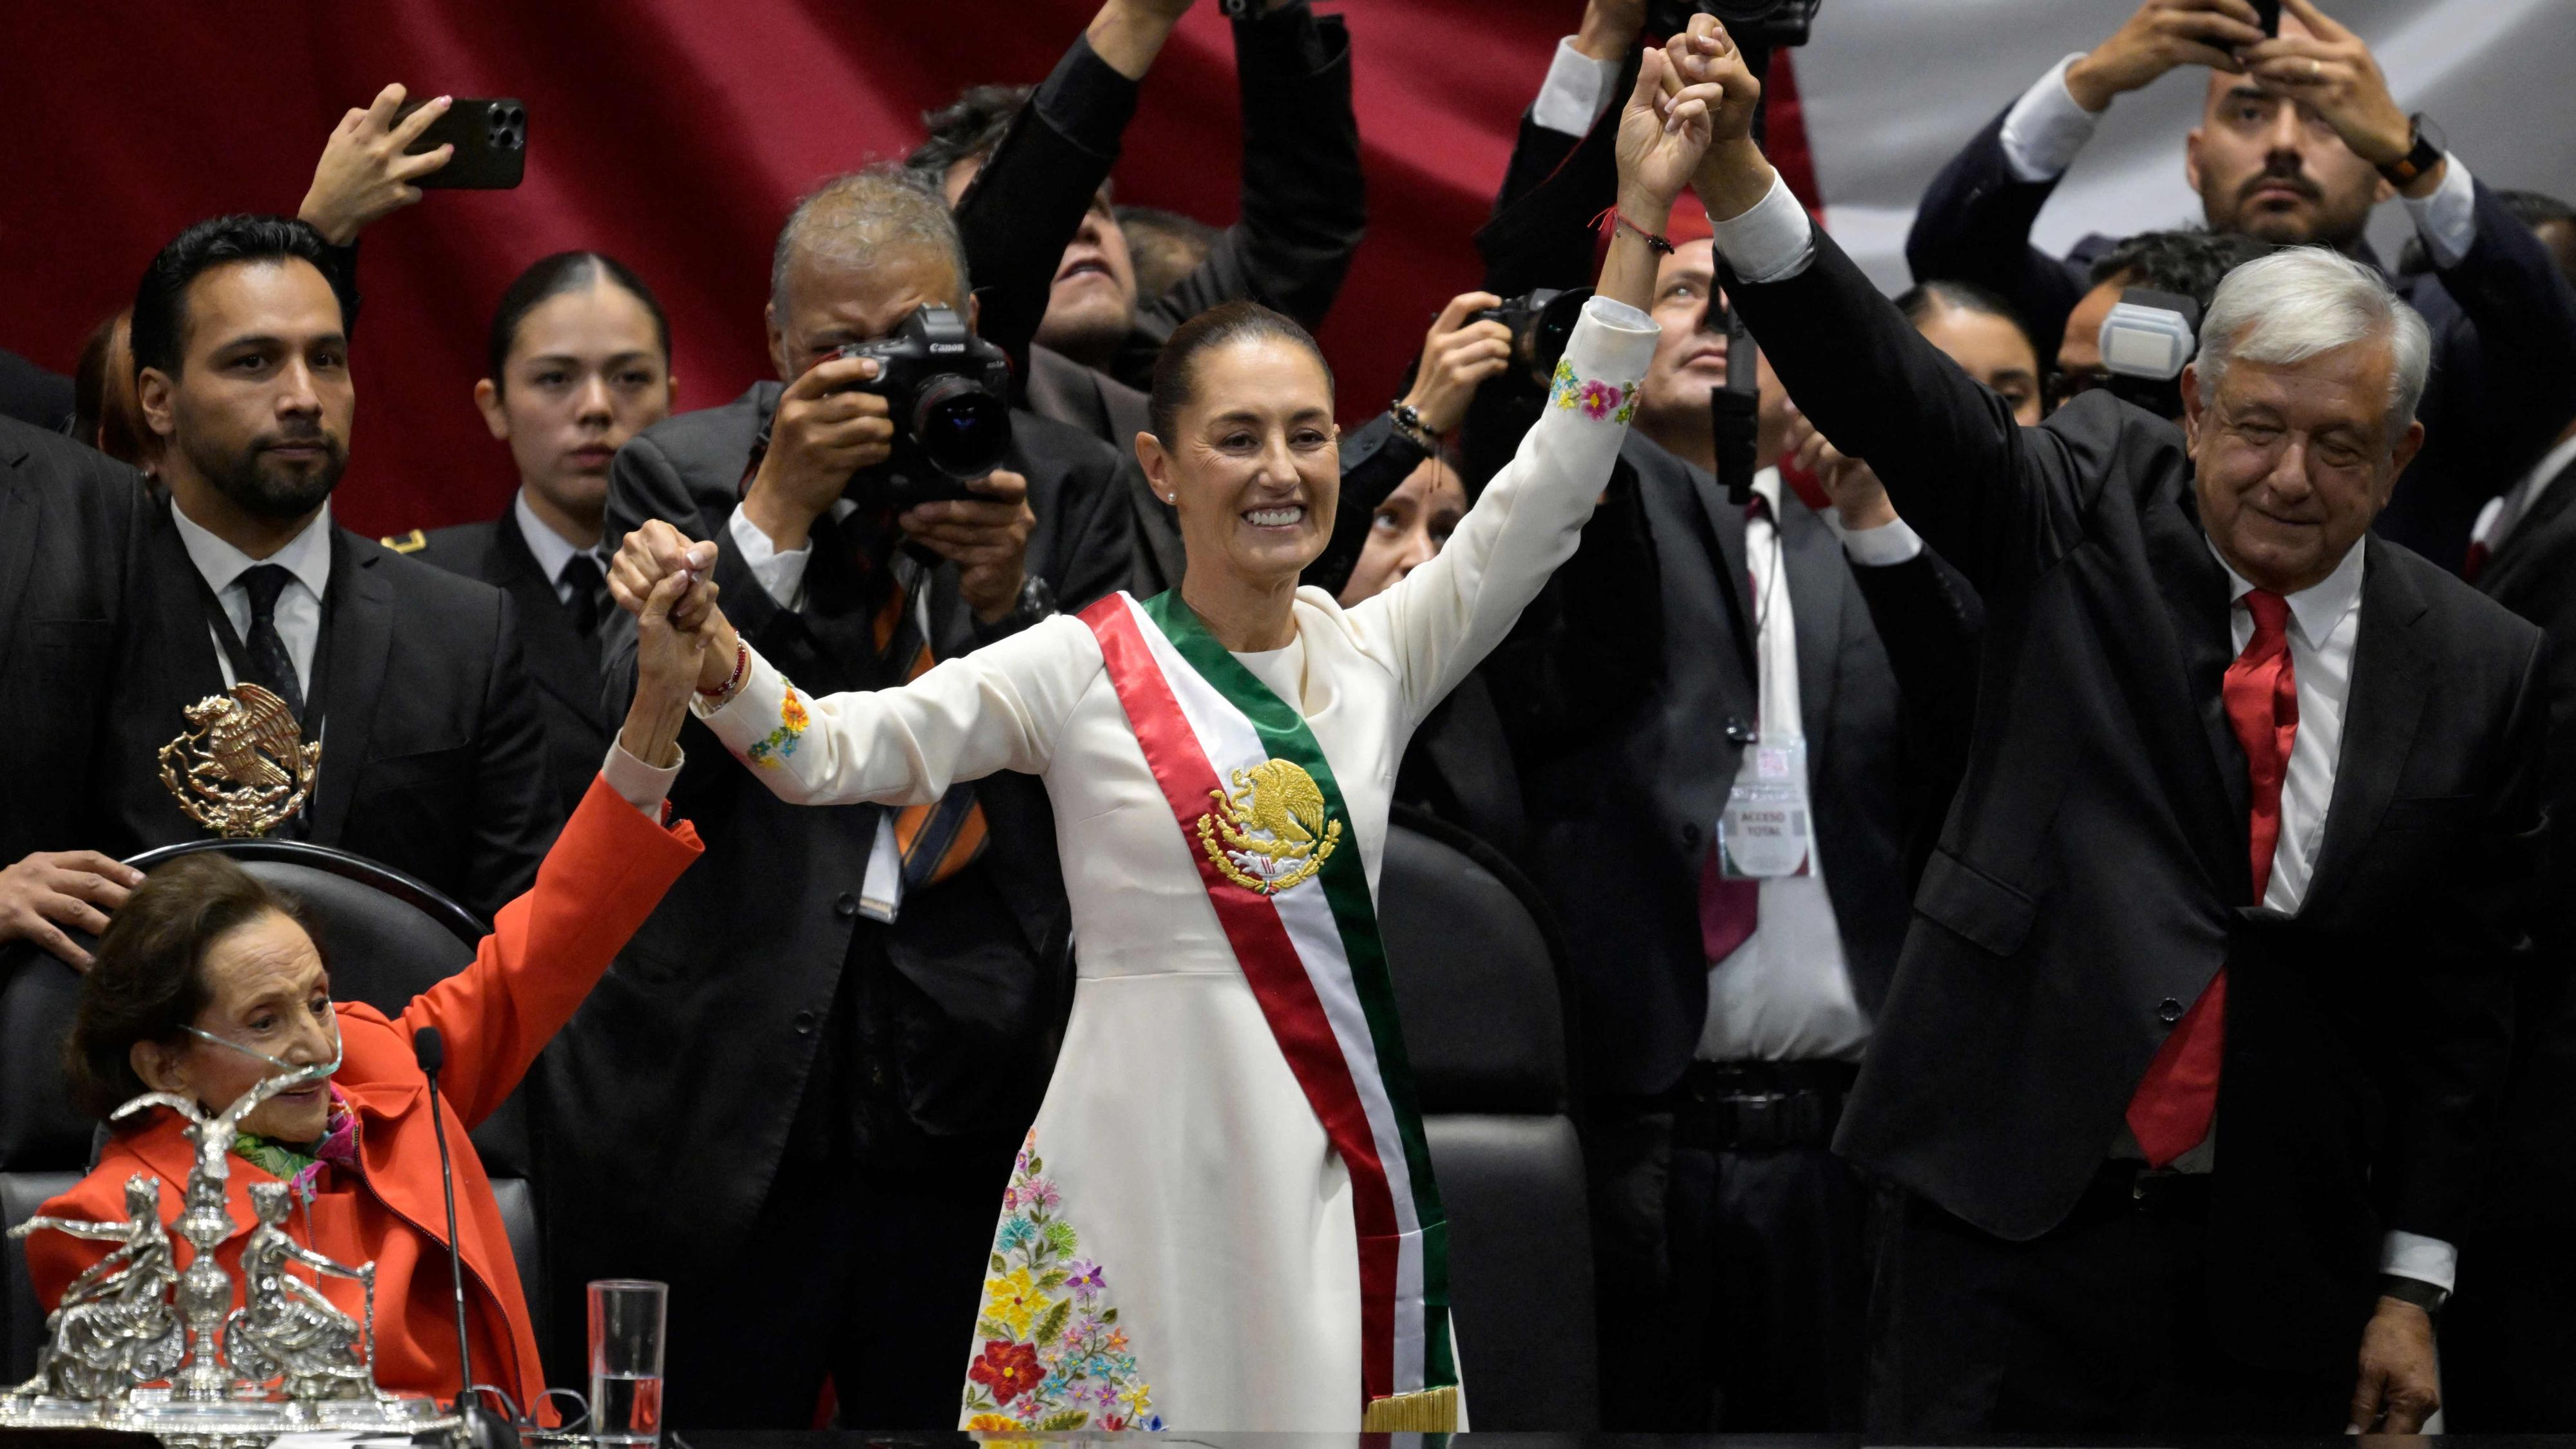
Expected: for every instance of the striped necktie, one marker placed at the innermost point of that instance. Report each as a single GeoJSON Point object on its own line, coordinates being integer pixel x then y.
{"type": "Point", "coordinates": [936, 840]}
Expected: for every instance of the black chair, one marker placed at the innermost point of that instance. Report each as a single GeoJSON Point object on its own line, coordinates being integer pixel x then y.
{"type": "Point", "coordinates": [388, 938]}
{"type": "Point", "coordinates": [1482, 986]}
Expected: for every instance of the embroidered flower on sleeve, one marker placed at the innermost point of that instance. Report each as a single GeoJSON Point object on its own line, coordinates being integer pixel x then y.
{"type": "Point", "coordinates": [1051, 1357]}
{"type": "Point", "coordinates": [1592, 397]}
{"type": "Point", "coordinates": [773, 750]}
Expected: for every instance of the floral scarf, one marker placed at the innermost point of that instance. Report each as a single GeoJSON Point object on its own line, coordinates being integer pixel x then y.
{"type": "Point", "coordinates": [301, 1167]}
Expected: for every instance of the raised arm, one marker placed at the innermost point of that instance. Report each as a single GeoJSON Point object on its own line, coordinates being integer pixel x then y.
{"type": "Point", "coordinates": [1444, 617]}
{"type": "Point", "coordinates": [1998, 500]}
{"type": "Point", "coordinates": [998, 708]}
{"type": "Point", "coordinates": [1303, 204]}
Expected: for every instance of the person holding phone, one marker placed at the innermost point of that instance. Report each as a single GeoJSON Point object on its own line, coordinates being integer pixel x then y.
{"type": "Point", "coordinates": [2299, 139]}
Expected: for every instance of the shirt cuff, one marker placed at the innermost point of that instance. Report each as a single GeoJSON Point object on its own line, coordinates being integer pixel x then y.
{"type": "Point", "coordinates": [1771, 242]}
{"type": "Point", "coordinates": [2426, 1260]}
{"type": "Point", "coordinates": [1885, 546]}
{"type": "Point", "coordinates": [1576, 91]}
{"type": "Point", "coordinates": [2447, 220]}
{"type": "Point", "coordinates": [640, 784]}
{"type": "Point", "coordinates": [780, 575]}
{"type": "Point", "coordinates": [2046, 127]}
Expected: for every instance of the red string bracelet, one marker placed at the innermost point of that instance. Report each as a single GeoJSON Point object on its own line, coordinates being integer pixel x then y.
{"type": "Point", "coordinates": [1655, 242]}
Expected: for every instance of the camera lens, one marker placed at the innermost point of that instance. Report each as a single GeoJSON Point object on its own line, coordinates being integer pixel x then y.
{"type": "Point", "coordinates": [963, 429]}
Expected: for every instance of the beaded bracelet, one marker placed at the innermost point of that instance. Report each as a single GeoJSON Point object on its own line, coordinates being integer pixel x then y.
{"type": "Point", "coordinates": [733, 681]}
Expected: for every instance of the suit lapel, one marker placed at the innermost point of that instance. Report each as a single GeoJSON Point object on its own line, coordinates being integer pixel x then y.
{"type": "Point", "coordinates": [1726, 528]}
{"type": "Point", "coordinates": [17, 547]}
{"type": "Point", "coordinates": [2209, 763]}
{"type": "Point", "coordinates": [358, 625]}
{"type": "Point", "coordinates": [2393, 675]}
{"type": "Point", "coordinates": [565, 664]}
{"type": "Point", "coordinates": [2531, 534]}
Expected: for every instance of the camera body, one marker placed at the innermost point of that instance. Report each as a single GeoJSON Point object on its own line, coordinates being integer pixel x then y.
{"type": "Point", "coordinates": [948, 392]}
{"type": "Point", "coordinates": [1540, 323]}
{"type": "Point", "coordinates": [1754, 24]}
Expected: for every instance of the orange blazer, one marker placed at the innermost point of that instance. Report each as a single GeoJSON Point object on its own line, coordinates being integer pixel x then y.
{"type": "Point", "coordinates": [605, 874]}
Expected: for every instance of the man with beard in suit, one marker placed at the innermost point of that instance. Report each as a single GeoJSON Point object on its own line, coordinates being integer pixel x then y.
{"type": "Point", "coordinates": [408, 677]}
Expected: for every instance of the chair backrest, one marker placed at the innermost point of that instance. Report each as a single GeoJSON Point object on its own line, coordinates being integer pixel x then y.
{"type": "Point", "coordinates": [388, 937]}
{"type": "Point", "coordinates": [1482, 987]}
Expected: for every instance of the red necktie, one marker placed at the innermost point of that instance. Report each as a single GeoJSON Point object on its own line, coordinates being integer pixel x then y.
{"type": "Point", "coordinates": [2175, 1101]}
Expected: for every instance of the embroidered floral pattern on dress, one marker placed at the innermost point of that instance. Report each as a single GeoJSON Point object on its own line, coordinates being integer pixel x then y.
{"type": "Point", "coordinates": [1051, 1355]}
{"type": "Point", "coordinates": [1592, 397]}
{"type": "Point", "coordinates": [772, 751]}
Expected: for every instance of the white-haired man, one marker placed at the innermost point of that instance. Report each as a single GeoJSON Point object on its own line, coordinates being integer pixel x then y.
{"type": "Point", "coordinates": [2184, 1065]}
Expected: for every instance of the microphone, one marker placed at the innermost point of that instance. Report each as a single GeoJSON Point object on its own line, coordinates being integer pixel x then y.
{"type": "Point", "coordinates": [483, 1428]}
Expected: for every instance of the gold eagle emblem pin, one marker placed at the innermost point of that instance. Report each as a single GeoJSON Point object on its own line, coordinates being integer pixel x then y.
{"type": "Point", "coordinates": [242, 768]}
{"type": "Point", "coordinates": [1270, 833]}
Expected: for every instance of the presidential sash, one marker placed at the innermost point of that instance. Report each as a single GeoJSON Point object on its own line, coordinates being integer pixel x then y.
{"type": "Point", "coordinates": [1265, 823]}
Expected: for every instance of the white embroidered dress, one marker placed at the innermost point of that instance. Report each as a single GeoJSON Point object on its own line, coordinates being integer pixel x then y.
{"type": "Point", "coordinates": [1177, 1243]}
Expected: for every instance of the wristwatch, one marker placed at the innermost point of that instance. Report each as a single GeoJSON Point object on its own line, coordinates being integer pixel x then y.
{"type": "Point", "coordinates": [2413, 1290]}
{"type": "Point", "coordinates": [1036, 602]}
{"type": "Point", "coordinates": [2429, 149]}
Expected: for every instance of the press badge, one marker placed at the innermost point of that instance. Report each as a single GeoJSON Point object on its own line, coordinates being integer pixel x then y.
{"type": "Point", "coordinates": [1763, 833]}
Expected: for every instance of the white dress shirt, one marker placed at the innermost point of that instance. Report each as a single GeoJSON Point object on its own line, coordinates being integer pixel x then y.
{"type": "Point", "coordinates": [2047, 127]}
{"type": "Point", "coordinates": [298, 616]}
{"type": "Point", "coordinates": [551, 549]}
{"type": "Point", "coordinates": [1786, 993]}
{"type": "Point", "coordinates": [1576, 91]}
{"type": "Point", "coordinates": [1774, 240]}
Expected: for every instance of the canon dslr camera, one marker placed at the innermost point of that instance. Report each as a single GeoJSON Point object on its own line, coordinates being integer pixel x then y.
{"type": "Point", "coordinates": [948, 391]}
{"type": "Point", "coordinates": [1540, 322]}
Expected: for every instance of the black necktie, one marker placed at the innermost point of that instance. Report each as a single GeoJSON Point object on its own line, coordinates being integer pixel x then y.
{"type": "Point", "coordinates": [589, 593]}
{"type": "Point", "coordinates": [271, 667]}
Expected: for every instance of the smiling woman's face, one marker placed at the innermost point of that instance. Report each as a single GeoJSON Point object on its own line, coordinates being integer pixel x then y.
{"type": "Point", "coordinates": [267, 993]}
{"type": "Point", "coordinates": [1252, 463]}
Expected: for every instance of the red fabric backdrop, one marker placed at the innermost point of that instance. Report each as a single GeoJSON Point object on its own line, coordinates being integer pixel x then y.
{"type": "Point", "coordinates": [674, 134]}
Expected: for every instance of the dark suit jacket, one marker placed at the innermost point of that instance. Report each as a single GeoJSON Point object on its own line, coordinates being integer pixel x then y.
{"type": "Point", "coordinates": [2093, 876]}
{"type": "Point", "coordinates": [433, 761]}
{"type": "Point", "coordinates": [2503, 319]}
{"type": "Point", "coordinates": [71, 525]}
{"type": "Point", "coordinates": [33, 395]}
{"type": "Point", "coordinates": [1622, 820]}
{"type": "Point", "coordinates": [565, 665]}
{"type": "Point", "coordinates": [1303, 208]}
{"type": "Point", "coordinates": [1932, 623]}
{"type": "Point", "coordinates": [682, 1075]}
{"type": "Point", "coordinates": [2512, 1332]}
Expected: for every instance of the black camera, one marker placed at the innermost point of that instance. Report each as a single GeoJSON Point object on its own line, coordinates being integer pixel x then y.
{"type": "Point", "coordinates": [948, 391]}
{"type": "Point", "coordinates": [1540, 322]}
{"type": "Point", "coordinates": [1754, 24]}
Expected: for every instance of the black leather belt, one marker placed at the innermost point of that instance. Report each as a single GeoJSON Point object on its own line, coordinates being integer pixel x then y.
{"type": "Point", "coordinates": [1761, 1106]}
{"type": "Point", "coordinates": [2122, 1188]}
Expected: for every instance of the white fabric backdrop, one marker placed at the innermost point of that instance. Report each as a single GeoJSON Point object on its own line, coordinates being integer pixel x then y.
{"type": "Point", "coordinates": [1893, 88]}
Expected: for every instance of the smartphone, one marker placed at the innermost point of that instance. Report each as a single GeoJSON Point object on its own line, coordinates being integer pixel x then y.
{"type": "Point", "coordinates": [491, 141]}
{"type": "Point", "coordinates": [2267, 13]}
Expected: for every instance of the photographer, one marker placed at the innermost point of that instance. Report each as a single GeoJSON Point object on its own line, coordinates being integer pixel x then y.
{"type": "Point", "coordinates": [1028, 173]}
{"type": "Point", "coordinates": [2299, 138]}
{"type": "Point", "coordinates": [849, 1067]}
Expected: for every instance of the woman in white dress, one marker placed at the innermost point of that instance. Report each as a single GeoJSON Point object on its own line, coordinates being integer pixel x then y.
{"type": "Point", "coordinates": [1224, 1216]}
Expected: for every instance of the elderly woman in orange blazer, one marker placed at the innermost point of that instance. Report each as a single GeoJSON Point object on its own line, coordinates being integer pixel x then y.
{"type": "Point", "coordinates": [208, 981]}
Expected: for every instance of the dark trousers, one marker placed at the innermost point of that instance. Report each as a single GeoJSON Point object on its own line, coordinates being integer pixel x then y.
{"type": "Point", "coordinates": [2099, 1326]}
{"type": "Point", "coordinates": [872, 1282]}
{"type": "Point", "coordinates": [1732, 1264]}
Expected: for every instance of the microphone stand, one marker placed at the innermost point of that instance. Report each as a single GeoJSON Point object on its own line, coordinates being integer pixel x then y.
{"type": "Point", "coordinates": [483, 1428]}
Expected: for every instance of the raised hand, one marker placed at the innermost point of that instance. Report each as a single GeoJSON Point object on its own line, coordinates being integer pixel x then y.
{"type": "Point", "coordinates": [986, 536]}
{"type": "Point", "coordinates": [1457, 357]}
{"type": "Point", "coordinates": [363, 175]}
{"type": "Point", "coordinates": [2163, 34]}
{"type": "Point", "coordinates": [1732, 173]}
{"type": "Point", "coordinates": [1610, 28]}
{"type": "Point", "coordinates": [1128, 34]}
{"type": "Point", "coordinates": [1663, 132]}
{"type": "Point", "coordinates": [670, 662]}
{"type": "Point", "coordinates": [1860, 500]}
{"type": "Point", "coordinates": [2331, 72]}
{"type": "Point", "coordinates": [651, 553]}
